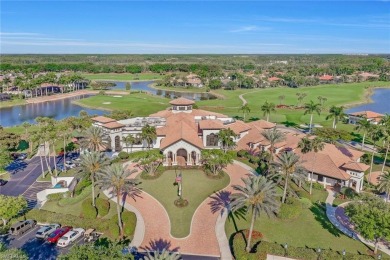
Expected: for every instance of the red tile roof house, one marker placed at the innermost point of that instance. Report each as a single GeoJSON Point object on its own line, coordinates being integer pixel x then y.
{"type": "Point", "coordinates": [371, 116]}
{"type": "Point", "coordinates": [326, 79]}
{"type": "Point", "coordinates": [183, 132]}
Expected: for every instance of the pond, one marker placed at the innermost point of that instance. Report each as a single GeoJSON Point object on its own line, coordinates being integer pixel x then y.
{"type": "Point", "coordinates": [57, 109]}
{"type": "Point", "coordinates": [144, 86]}
{"type": "Point", "coordinates": [380, 102]}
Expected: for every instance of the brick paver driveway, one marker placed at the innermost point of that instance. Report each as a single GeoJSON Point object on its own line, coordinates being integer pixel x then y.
{"type": "Point", "coordinates": [202, 239]}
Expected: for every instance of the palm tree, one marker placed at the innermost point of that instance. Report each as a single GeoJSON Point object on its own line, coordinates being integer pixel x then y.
{"type": "Point", "coordinates": [337, 113]}
{"type": "Point", "coordinates": [116, 178]}
{"type": "Point", "coordinates": [226, 137]}
{"type": "Point", "coordinates": [130, 140]}
{"type": "Point", "coordinates": [311, 108]}
{"type": "Point", "coordinates": [94, 139]}
{"type": "Point", "coordinates": [385, 122]}
{"type": "Point", "coordinates": [288, 164]}
{"type": "Point", "coordinates": [149, 134]}
{"type": "Point", "coordinates": [311, 145]}
{"type": "Point", "coordinates": [267, 108]}
{"type": "Point", "coordinates": [256, 196]}
{"type": "Point", "coordinates": [384, 184]}
{"type": "Point", "coordinates": [273, 136]}
{"type": "Point", "coordinates": [322, 100]}
{"type": "Point", "coordinates": [375, 134]}
{"type": "Point", "coordinates": [245, 110]}
{"type": "Point", "coordinates": [281, 98]}
{"type": "Point", "coordinates": [300, 96]}
{"type": "Point", "coordinates": [363, 125]}
{"type": "Point", "coordinates": [215, 160]}
{"type": "Point", "coordinates": [92, 163]}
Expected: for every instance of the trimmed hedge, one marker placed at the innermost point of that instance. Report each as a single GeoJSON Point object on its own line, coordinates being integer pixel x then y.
{"type": "Point", "coordinates": [103, 206]}
{"type": "Point", "coordinates": [123, 155]}
{"type": "Point", "coordinates": [290, 210]}
{"type": "Point", "coordinates": [129, 222]}
{"type": "Point", "coordinates": [87, 210]}
{"type": "Point", "coordinates": [262, 248]}
{"type": "Point", "coordinates": [113, 226]}
{"type": "Point", "coordinates": [81, 185]}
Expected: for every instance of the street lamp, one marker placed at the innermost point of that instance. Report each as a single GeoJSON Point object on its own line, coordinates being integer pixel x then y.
{"type": "Point", "coordinates": [285, 249]}
{"type": "Point", "coordinates": [344, 253]}
{"type": "Point", "coordinates": [319, 253]}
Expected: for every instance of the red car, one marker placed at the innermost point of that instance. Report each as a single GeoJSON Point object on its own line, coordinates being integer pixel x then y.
{"type": "Point", "coordinates": [57, 234]}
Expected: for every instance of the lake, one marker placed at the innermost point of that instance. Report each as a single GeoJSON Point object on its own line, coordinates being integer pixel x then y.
{"type": "Point", "coordinates": [381, 102]}
{"type": "Point", "coordinates": [63, 108]}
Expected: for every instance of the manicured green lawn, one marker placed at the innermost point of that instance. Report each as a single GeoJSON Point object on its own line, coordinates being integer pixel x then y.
{"type": "Point", "coordinates": [140, 104]}
{"type": "Point", "coordinates": [196, 188]}
{"type": "Point", "coordinates": [123, 76]}
{"type": "Point", "coordinates": [311, 229]}
{"type": "Point", "coordinates": [13, 102]}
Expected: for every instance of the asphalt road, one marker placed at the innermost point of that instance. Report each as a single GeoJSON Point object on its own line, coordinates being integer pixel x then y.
{"type": "Point", "coordinates": [23, 175]}
{"type": "Point", "coordinates": [37, 249]}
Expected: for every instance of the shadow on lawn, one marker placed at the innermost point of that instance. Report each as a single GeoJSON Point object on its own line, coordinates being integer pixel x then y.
{"type": "Point", "coordinates": [320, 215]}
{"type": "Point", "coordinates": [289, 124]}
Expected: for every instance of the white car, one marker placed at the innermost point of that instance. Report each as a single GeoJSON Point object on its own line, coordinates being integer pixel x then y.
{"type": "Point", "coordinates": [69, 164]}
{"type": "Point", "coordinates": [44, 231]}
{"type": "Point", "coordinates": [70, 237]}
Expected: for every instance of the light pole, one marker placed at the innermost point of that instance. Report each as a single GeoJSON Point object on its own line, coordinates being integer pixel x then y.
{"type": "Point", "coordinates": [379, 256]}
{"type": "Point", "coordinates": [319, 253]}
{"type": "Point", "coordinates": [285, 249]}
{"type": "Point", "coordinates": [344, 254]}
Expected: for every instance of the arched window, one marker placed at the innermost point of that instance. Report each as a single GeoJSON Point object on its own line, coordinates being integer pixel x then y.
{"type": "Point", "coordinates": [212, 140]}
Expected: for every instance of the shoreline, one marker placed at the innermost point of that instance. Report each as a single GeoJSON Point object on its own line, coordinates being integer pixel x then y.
{"type": "Point", "coordinates": [367, 96]}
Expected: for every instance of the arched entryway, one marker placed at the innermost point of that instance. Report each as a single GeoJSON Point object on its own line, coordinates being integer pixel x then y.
{"type": "Point", "coordinates": [117, 144]}
{"type": "Point", "coordinates": [181, 157]}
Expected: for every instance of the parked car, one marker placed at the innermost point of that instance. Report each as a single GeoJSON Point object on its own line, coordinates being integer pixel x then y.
{"type": "Point", "coordinates": [3, 182]}
{"type": "Point", "coordinates": [22, 156]}
{"type": "Point", "coordinates": [70, 237]}
{"type": "Point", "coordinates": [22, 227]}
{"type": "Point", "coordinates": [45, 231]}
{"type": "Point", "coordinates": [70, 164]}
{"type": "Point", "coordinates": [57, 234]}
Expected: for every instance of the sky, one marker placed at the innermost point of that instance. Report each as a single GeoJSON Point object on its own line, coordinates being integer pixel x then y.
{"type": "Point", "coordinates": [194, 27]}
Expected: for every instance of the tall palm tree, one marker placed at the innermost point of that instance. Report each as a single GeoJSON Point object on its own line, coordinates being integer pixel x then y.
{"type": "Point", "coordinates": [245, 109]}
{"type": "Point", "coordinates": [375, 132]}
{"type": "Point", "coordinates": [92, 163]}
{"type": "Point", "coordinates": [256, 196]}
{"type": "Point", "coordinates": [130, 140]}
{"type": "Point", "coordinates": [288, 163]}
{"type": "Point", "coordinates": [311, 108]}
{"type": "Point", "coordinates": [311, 145]}
{"type": "Point", "coordinates": [116, 178]}
{"type": "Point", "coordinates": [94, 139]}
{"type": "Point", "coordinates": [226, 137]}
{"type": "Point", "coordinates": [300, 96]}
{"type": "Point", "coordinates": [149, 134]}
{"type": "Point", "coordinates": [267, 108]}
{"type": "Point", "coordinates": [337, 113]}
{"type": "Point", "coordinates": [384, 184]}
{"type": "Point", "coordinates": [363, 125]}
{"type": "Point", "coordinates": [273, 136]}
{"type": "Point", "coordinates": [385, 122]}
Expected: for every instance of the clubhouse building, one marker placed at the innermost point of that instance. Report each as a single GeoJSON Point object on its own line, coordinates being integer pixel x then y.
{"type": "Point", "coordinates": [183, 132]}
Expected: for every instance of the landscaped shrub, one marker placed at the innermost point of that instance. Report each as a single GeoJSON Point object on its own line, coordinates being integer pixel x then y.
{"type": "Point", "coordinates": [317, 186]}
{"type": "Point", "coordinates": [123, 155]}
{"type": "Point", "coordinates": [348, 193]}
{"type": "Point", "coordinates": [242, 153]}
{"type": "Point", "coordinates": [306, 203]}
{"type": "Point", "coordinates": [87, 210]}
{"type": "Point", "coordinates": [129, 222]}
{"type": "Point", "coordinates": [57, 196]}
{"type": "Point", "coordinates": [158, 172]}
{"type": "Point", "coordinates": [253, 159]}
{"type": "Point", "coordinates": [81, 185]}
{"type": "Point", "coordinates": [103, 206]}
{"type": "Point", "coordinates": [291, 209]}
{"type": "Point", "coordinates": [181, 203]}
{"type": "Point", "coordinates": [256, 235]}
{"type": "Point", "coordinates": [76, 199]}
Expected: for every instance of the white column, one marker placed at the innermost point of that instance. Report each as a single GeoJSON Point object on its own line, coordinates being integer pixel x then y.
{"type": "Point", "coordinates": [174, 159]}
{"type": "Point", "coordinates": [324, 182]}
{"type": "Point", "coordinates": [189, 159]}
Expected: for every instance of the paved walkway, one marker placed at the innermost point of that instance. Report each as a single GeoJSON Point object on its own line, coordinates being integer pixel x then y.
{"type": "Point", "coordinates": [207, 234]}
{"type": "Point", "coordinates": [341, 221]}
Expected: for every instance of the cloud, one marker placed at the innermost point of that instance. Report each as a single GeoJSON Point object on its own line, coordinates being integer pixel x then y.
{"type": "Point", "coordinates": [251, 28]}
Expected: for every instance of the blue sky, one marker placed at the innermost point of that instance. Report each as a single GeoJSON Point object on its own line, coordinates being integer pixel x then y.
{"type": "Point", "coordinates": [263, 27]}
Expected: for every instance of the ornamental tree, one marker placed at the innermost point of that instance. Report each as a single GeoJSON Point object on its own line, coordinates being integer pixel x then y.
{"type": "Point", "coordinates": [10, 207]}
{"type": "Point", "coordinates": [215, 160]}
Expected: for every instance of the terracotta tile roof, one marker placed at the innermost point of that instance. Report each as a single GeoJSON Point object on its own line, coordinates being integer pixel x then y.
{"type": "Point", "coordinates": [367, 114]}
{"type": "Point", "coordinates": [273, 79]}
{"type": "Point", "coordinates": [211, 124]}
{"type": "Point", "coordinates": [291, 141]}
{"type": "Point", "coordinates": [113, 125]}
{"type": "Point", "coordinates": [375, 177]}
{"type": "Point", "coordinates": [367, 75]}
{"type": "Point", "coordinates": [102, 119]}
{"type": "Point", "coordinates": [238, 127]}
{"type": "Point", "coordinates": [261, 124]}
{"type": "Point", "coordinates": [182, 131]}
{"type": "Point", "coordinates": [326, 77]}
{"type": "Point", "coordinates": [182, 101]}
{"type": "Point", "coordinates": [356, 166]}
{"type": "Point", "coordinates": [254, 136]}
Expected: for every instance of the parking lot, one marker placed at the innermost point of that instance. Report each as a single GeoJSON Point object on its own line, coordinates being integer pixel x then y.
{"type": "Point", "coordinates": [37, 248]}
